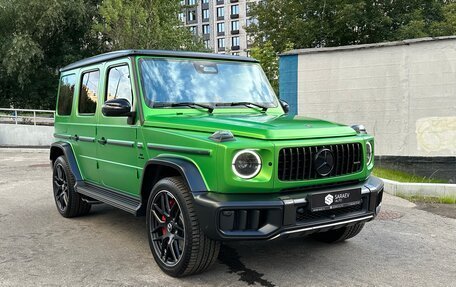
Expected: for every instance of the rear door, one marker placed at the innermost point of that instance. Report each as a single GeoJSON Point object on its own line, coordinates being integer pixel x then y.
{"type": "Point", "coordinates": [83, 128]}
{"type": "Point", "coordinates": [117, 150]}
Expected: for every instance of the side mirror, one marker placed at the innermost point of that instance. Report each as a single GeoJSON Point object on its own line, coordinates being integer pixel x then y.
{"type": "Point", "coordinates": [116, 108]}
{"type": "Point", "coordinates": [285, 106]}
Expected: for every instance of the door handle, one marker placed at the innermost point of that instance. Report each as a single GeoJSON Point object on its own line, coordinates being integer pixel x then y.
{"type": "Point", "coordinates": [75, 137]}
{"type": "Point", "coordinates": [102, 141]}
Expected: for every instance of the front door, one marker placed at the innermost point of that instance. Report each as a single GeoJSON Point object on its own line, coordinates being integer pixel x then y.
{"type": "Point", "coordinates": [116, 139]}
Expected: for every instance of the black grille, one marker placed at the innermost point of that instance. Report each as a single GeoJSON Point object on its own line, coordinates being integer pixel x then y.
{"type": "Point", "coordinates": [296, 163]}
{"type": "Point", "coordinates": [303, 214]}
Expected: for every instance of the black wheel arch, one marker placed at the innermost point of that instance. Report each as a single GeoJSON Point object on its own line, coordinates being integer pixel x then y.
{"type": "Point", "coordinates": [65, 149]}
{"type": "Point", "coordinates": [161, 167]}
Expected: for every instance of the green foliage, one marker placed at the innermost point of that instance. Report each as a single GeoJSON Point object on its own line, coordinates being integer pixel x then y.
{"type": "Point", "coordinates": [144, 24]}
{"type": "Point", "coordinates": [269, 60]}
{"type": "Point", "coordinates": [36, 38]}
{"type": "Point", "coordinates": [401, 176]}
{"type": "Point", "coordinates": [328, 23]}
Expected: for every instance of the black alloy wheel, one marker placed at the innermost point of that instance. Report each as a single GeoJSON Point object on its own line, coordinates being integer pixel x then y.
{"type": "Point", "coordinates": [60, 187]}
{"type": "Point", "coordinates": [69, 203]}
{"type": "Point", "coordinates": [167, 228]}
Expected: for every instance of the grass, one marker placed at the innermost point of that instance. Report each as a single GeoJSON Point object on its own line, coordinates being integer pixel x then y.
{"type": "Point", "coordinates": [428, 199]}
{"type": "Point", "coordinates": [401, 176]}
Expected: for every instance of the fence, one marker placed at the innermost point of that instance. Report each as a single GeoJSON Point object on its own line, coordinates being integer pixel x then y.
{"type": "Point", "coordinates": [27, 117]}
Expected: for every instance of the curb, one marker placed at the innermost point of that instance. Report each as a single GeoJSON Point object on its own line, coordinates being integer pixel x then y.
{"type": "Point", "coordinates": [423, 189]}
{"type": "Point", "coordinates": [24, 150]}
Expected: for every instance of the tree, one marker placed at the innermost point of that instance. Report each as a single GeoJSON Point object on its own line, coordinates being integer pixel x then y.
{"type": "Point", "coordinates": [37, 37]}
{"type": "Point", "coordinates": [269, 60]}
{"type": "Point", "coordinates": [144, 24]}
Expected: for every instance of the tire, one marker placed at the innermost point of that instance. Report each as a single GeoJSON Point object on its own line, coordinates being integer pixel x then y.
{"type": "Point", "coordinates": [178, 244]}
{"type": "Point", "coordinates": [68, 202]}
{"type": "Point", "coordinates": [339, 235]}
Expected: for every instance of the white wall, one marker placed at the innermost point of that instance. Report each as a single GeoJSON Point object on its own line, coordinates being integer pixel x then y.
{"type": "Point", "coordinates": [404, 94]}
{"type": "Point", "coordinates": [25, 135]}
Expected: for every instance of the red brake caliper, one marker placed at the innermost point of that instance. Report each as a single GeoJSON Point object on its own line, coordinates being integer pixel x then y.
{"type": "Point", "coordinates": [171, 204]}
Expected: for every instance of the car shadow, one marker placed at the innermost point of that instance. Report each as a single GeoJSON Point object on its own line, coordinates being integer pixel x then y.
{"type": "Point", "coordinates": [237, 258]}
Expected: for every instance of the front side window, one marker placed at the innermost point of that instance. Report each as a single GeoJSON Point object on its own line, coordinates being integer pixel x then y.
{"type": "Point", "coordinates": [66, 92]}
{"type": "Point", "coordinates": [119, 85]}
{"type": "Point", "coordinates": [168, 81]}
{"type": "Point", "coordinates": [88, 94]}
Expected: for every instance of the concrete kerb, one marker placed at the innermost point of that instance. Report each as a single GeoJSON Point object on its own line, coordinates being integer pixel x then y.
{"type": "Point", "coordinates": [420, 189]}
{"type": "Point", "coordinates": [13, 149]}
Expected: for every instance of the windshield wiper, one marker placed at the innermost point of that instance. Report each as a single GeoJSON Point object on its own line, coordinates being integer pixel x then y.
{"type": "Point", "coordinates": [247, 104]}
{"type": "Point", "coordinates": [193, 105]}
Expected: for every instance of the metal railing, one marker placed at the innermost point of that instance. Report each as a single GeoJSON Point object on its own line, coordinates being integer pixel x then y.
{"type": "Point", "coordinates": [27, 117]}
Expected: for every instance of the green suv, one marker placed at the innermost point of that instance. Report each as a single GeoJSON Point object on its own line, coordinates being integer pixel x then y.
{"type": "Point", "coordinates": [200, 145]}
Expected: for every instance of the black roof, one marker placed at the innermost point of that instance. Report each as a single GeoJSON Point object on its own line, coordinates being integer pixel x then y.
{"type": "Point", "coordinates": [177, 54]}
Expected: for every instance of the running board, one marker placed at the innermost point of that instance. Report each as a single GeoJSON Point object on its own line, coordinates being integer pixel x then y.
{"type": "Point", "coordinates": [123, 201]}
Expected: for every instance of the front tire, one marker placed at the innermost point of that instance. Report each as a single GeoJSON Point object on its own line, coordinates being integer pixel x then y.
{"type": "Point", "coordinates": [68, 202]}
{"type": "Point", "coordinates": [340, 234]}
{"type": "Point", "coordinates": [178, 244]}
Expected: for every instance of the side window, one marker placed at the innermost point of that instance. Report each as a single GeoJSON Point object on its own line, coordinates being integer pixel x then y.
{"type": "Point", "coordinates": [119, 85]}
{"type": "Point", "coordinates": [66, 92]}
{"type": "Point", "coordinates": [88, 93]}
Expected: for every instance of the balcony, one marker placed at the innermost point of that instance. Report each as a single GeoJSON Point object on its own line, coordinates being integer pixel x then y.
{"type": "Point", "coordinates": [234, 32]}
{"type": "Point", "coordinates": [234, 16]}
{"type": "Point", "coordinates": [235, 48]}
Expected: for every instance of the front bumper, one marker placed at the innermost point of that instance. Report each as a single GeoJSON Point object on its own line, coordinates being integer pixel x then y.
{"type": "Point", "coordinates": [271, 216]}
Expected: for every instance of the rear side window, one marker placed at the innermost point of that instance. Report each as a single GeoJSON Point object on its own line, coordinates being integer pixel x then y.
{"type": "Point", "coordinates": [88, 93]}
{"type": "Point", "coordinates": [66, 92]}
{"type": "Point", "coordinates": [119, 85]}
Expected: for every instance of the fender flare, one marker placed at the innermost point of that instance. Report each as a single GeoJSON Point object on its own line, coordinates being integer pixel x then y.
{"type": "Point", "coordinates": [66, 149]}
{"type": "Point", "coordinates": [186, 168]}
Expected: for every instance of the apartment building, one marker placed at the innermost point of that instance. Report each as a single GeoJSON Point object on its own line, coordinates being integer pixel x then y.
{"type": "Point", "coordinates": [221, 24]}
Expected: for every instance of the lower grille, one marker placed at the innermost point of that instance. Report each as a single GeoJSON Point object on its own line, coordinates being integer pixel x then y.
{"type": "Point", "coordinates": [297, 163]}
{"type": "Point", "coordinates": [303, 214]}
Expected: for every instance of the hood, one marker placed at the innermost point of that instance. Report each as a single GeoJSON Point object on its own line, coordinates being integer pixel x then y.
{"type": "Point", "coordinates": [260, 126]}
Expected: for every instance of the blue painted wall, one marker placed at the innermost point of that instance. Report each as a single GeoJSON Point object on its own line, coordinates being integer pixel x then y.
{"type": "Point", "coordinates": [288, 81]}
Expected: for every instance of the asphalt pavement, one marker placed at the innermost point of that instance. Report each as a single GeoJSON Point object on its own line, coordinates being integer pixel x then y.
{"type": "Point", "coordinates": [405, 246]}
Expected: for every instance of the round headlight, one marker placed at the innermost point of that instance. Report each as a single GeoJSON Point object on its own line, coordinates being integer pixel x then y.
{"type": "Point", "coordinates": [369, 152]}
{"type": "Point", "coordinates": [246, 164]}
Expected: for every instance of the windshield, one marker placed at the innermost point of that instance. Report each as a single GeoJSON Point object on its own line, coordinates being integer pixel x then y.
{"type": "Point", "coordinates": [168, 81]}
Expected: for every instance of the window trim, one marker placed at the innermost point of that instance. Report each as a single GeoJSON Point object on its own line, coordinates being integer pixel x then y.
{"type": "Point", "coordinates": [81, 74]}
{"type": "Point", "coordinates": [58, 94]}
{"type": "Point", "coordinates": [106, 81]}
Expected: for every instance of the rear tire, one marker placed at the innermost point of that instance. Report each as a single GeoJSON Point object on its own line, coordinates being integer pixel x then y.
{"type": "Point", "coordinates": [339, 235]}
{"type": "Point", "coordinates": [178, 244]}
{"type": "Point", "coordinates": [69, 203]}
